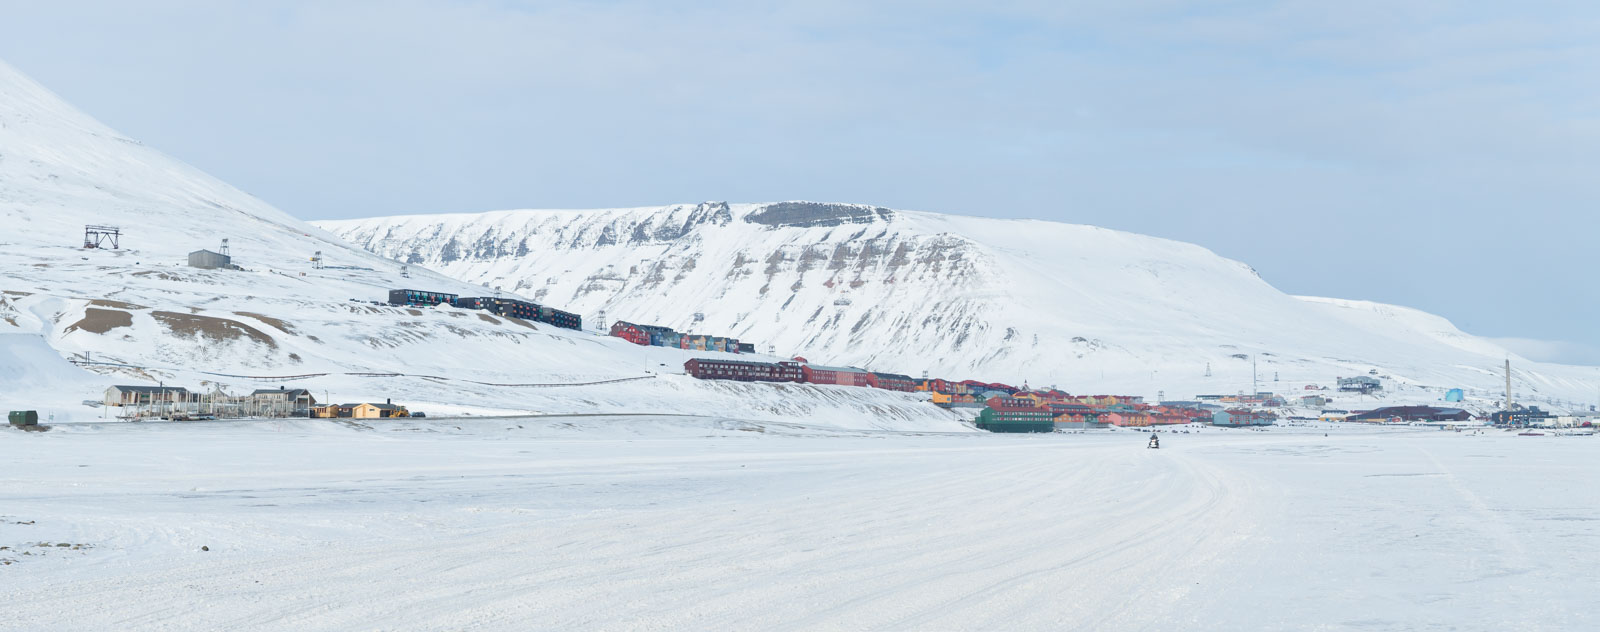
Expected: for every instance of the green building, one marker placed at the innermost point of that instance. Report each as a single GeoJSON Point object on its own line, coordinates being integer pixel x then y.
{"type": "Point", "coordinates": [1010, 414]}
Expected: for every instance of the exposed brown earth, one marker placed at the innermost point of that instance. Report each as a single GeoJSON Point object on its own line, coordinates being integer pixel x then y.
{"type": "Point", "coordinates": [218, 329]}
{"type": "Point", "coordinates": [275, 323]}
{"type": "Point", "coordinates": [99, 321]}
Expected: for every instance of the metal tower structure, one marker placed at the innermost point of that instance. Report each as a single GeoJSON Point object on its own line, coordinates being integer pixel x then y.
{"type": "Point", "coordinates": [95, 236]}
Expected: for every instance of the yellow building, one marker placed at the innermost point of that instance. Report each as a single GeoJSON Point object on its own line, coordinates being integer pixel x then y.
{"type": "Point", "coordinates": [377, 411]}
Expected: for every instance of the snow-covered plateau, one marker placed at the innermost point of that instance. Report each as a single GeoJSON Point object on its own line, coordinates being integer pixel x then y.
{"type": "Point", "coordinates": [685, 523]}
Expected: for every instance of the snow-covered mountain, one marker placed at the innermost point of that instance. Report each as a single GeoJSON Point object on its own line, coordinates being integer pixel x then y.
{"type": "Point", "coordinates": [1080, 307]}
{"type": "Point", "coordinates": [141, 305]}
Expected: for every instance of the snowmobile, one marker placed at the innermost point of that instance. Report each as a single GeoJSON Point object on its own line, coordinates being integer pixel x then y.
{"type": "Point", "coordinates": [1155, 442]}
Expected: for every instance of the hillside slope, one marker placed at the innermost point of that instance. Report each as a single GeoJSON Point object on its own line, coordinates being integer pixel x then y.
{"type": "Point", "coordinates": [147, 317]}
{"type": "Point", "coordinates": [1085, 308]}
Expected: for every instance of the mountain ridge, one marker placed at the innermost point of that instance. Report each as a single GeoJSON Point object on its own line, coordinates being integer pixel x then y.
{"type": "Point", "coordinates": [959, 296]}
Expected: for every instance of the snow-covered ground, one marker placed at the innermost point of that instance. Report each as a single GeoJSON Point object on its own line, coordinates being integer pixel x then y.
{"type": "Point", "coordinates": [647, 522]}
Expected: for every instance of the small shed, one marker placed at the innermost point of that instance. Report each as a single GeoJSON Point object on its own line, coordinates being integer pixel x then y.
{"type": "Point", "coordinates": [209, 260]}
{"type": "Point", "coordinates": [1454, 395]}
{"type": "Point", "coordinates": [23, 418]}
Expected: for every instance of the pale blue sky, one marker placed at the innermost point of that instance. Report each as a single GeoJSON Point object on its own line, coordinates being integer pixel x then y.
{"type": "Point", "coordinates": [1436, 154]}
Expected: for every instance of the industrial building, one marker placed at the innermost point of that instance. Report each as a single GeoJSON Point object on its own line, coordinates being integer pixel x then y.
{"type": "Point", "coordinates": [1359, 384]}
{"type": "Point", "coordinates": [122, 395]}
{"type": "Point", "coordinates": [1411, 413]}
{"type": "Point", "coordinates": [709, 369]}
{"type": "Point", "coordinates": [293, 402]}
{"type": "Point", "coordinates": [210, 260]}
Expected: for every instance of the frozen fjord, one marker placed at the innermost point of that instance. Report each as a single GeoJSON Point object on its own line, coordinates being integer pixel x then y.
{"type": "Point", "coordinates": [698, 523]}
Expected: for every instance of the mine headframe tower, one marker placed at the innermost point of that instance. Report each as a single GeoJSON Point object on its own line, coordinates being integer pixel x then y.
{"type": "Point", "coordinates": [98, 236]}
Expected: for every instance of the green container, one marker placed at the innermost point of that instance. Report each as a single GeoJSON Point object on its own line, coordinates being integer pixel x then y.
{"type": "Point", "coordinates": [24, 418]}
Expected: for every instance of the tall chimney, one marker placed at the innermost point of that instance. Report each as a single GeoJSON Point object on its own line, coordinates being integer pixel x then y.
{"type": "Point", "coordinates": [1508, 384]}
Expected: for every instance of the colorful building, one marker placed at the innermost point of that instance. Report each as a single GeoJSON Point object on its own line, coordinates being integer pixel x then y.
{"type": "Point", "coordinates": [630, 332]}
{"type": "Point", "coordinates": [1074, 416]}
{"type": "Point", "coordinates": [1240, 417]}
{"type": "Point", "coordinates": [1128, 419]}
{"type": "Point", "coordinates": [420, 297]}
{"type": "Point", "coordinates": [891, 382]}
{"type": "Point", "coordinates": [1009, 414]}
{"type": "Point", "coordinates": [840, 375]}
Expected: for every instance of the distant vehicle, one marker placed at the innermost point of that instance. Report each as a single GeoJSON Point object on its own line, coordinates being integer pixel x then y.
{"type": "Point", "coordinates": [419, 414]}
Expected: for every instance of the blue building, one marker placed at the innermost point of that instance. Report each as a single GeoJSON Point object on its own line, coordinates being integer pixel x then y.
{"type": "Point", "coordinates": [1238, 417]}
{"type": "Point", "coordinates": [1454, 395]}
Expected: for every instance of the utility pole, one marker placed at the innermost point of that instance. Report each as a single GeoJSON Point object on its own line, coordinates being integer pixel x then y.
{"type": "Point", "coordinates": [1254, 386]}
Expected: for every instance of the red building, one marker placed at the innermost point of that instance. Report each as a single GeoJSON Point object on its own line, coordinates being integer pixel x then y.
{"type": "Point", "coordinates": [891, 382]}
{"type": "Point", "coordinates": [630, 332]}
{"type": "Point", "coordinates": [842, 376]}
